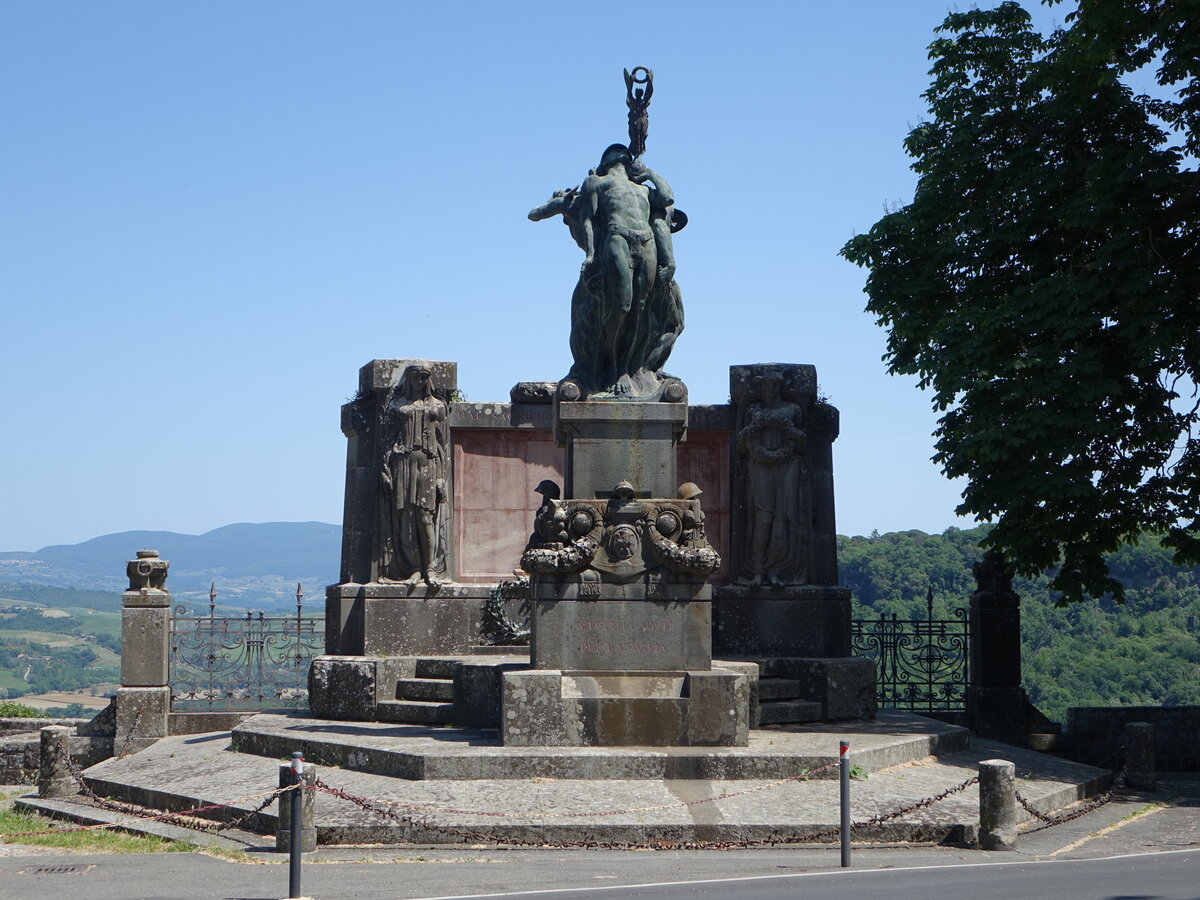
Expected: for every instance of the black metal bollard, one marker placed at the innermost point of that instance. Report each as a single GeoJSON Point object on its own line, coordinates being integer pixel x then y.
{"type": "Point", "coordinates": [296, 830]}
{"type": "Point", "coordinates": [844, 762]}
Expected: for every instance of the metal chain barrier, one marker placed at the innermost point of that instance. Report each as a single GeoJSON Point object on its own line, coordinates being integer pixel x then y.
{"type": "Point", "coordinates": [124, 751]}
{"type": "Point", "coordinates": [1048, 821]}
{"type": "Point", "coordinates": [390, 809]}
{"type": "Point", "coordinates": [136, 814]}
{"type": "Point", "coordinates": [184, 818]}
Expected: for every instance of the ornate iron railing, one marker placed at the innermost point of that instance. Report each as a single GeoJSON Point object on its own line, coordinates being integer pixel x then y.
{"type": "Point", "coordinates": [235, 663]}
{"type": "Point", "coordinates": [922, 665]}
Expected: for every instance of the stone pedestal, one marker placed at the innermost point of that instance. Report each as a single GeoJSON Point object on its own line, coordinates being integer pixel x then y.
{"type": "Point", "coordinates": [143, 702]}
{"type": "Point", "coordinates": [550, 707]}
{"type": "Point", "coordinates": [791, 621]}
{"type": "Point", "coordinates": [612, 441]}
{"type": "Point", "coordinates": [400, 619]}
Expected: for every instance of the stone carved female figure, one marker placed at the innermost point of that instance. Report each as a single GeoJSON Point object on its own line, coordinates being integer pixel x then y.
{"type": "Point", "coordinates": [773, 448]}
{"type": "Point", "coordinates": [416, 443]}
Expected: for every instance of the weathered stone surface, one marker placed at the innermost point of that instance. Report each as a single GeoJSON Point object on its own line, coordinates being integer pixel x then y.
{"type": "Point", "coordinates": [142, 717]}
{"type": "Point", "coordinates": [612, 442]}
{"type": "Point", "coordinates": [533, 391]}
{"type": "Point", "coordinates": [342, 687]}
{"type": "Point", "coordinates": [546, 707]}
{"type": "Point", "coordinates": [1140, 768]}
{"type": "Point", "coordinates": [145, 633]}
{"type": "Point", "coordinates": [808, 621]}
{"type": "Point", "coordinates": [997, 805]}
{"type": "Point", "coordinates": [845, 687]}
{"type": "Point", "coordinates": [621, 635]}
{"type": "Point", "coordinates": [403, 626]}
{"type": "Point", "coordinates": [54, 770]}
{"type": "Point", "coordinates": [147, 572]}
{"type": "Point", "coordinates": [478, 689]}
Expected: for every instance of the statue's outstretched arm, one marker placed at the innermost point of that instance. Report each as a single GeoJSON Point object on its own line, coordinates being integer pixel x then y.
{"type": "Point", "coordinates": [555, 206]}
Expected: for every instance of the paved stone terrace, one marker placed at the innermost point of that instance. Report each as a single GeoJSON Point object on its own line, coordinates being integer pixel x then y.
{"type": "Point", "coordinates": [432, 753]}
{"type": "Point", "coordinates": [186, 771]}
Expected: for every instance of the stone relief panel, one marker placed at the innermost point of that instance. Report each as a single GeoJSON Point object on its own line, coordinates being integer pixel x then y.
{"type": "Point", "coordinates": [415, 445]}
{"type": "Point", "coordinates": [774, 531]}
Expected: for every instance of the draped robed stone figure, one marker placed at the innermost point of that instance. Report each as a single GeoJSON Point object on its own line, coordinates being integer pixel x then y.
{"type": "Point", "coordinates": [413, 481]}
{"type": "Point", "coordinates": [772, 446]}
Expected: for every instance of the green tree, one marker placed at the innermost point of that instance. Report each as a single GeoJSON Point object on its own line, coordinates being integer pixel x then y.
{"type": "Point", "coordinates": [1044, 285]}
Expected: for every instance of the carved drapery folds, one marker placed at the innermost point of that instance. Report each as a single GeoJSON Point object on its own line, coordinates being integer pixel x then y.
{"type": "Point", "coordinates": [773, 472]}
{"type": "Point", "coordinates": [413, 466]}
{"type": "Point", "coordinates": [622, 539]}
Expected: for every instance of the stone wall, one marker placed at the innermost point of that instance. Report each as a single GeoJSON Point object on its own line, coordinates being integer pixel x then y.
{"type": "Point", "coordinates": [1096, 733]}
{"type": "Point", "coordinates": [20, 747]}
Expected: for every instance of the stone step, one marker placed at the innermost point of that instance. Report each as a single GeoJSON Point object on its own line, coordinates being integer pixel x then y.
{"type": "Point", "coordinates": [420, 712]}
{"type": "Point", "coordinates": [437, 667]}
{"type": "Point", "coordinates": [780, 712]}
{"type": "Point", "coordinates": [778, 689]}
{"type": "Point", "coordinates": [422, 752]}
{"type": "Point", "coordinates": [425, 689]}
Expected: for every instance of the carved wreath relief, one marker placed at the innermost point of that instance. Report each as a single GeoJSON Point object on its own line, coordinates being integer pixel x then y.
{"type": "Point", "coordinates": [622, 539]}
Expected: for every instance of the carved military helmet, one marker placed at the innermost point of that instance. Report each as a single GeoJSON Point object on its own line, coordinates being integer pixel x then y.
{"type": "Point", "coordinates": [548, 489]}
{"type": "Point", "coordinates": [614, 153]}
{"type": "Point", "coordinates": [688, 491]}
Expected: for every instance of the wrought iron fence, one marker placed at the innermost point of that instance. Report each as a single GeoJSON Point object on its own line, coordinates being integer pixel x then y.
{"type": "Point", "coordinates": [250, 662]}
{"type": "Point", "coordinates": [922, 665]}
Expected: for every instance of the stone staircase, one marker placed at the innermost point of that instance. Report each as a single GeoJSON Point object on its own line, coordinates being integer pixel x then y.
{"type": "Point", "coordinates": [426, 699]}
{"type": "Point", "coordinates": [780, 703]}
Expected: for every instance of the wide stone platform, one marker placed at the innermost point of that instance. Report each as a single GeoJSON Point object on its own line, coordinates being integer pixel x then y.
{"type": "Point", "coordinates": [547, 806]}
{"type": "Point", "coordinates": [421, 753]}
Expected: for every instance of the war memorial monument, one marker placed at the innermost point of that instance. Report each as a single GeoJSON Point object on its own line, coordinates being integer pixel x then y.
{"type": "Point", "coordinates": [662, 533]}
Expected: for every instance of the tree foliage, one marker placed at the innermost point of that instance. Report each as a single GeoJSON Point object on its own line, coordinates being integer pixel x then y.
{"type": "Point", "coordinates": [1145, 652]}
{"type": "Point", "coordinates": [1043, 284]}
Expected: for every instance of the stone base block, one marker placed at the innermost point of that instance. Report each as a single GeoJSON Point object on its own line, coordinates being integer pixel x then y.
{"type": "Point", "coordinates": [142, 717]}
{"type": "Point", "coordinates": [844, 687]}
{"type": "Point", "coordinates": [377, 619]}
{"type": "Point", "coordinates": [1001, 713]}
{"type": "Point", "coordinates": [547, 707]}
{"type": "Point", "coordinates": [343, 687]}
{"type": "Point", "coordinates": [804, 621]}
{"type": "Point", "coordinates": [622, 635]}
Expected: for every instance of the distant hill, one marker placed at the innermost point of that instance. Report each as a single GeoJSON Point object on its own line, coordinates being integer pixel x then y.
{"type": "Point", "coordinates": [253, 565]}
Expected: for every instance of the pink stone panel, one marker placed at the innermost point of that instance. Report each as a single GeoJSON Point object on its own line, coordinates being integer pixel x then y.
{"type": "Point", "coordinates": [495, 472]}
{"type": "Point", "coordinates": [704, 459]}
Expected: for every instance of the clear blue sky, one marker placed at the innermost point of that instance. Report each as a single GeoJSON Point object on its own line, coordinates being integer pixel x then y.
{"type": "Point", "coordinates": [214, 213]}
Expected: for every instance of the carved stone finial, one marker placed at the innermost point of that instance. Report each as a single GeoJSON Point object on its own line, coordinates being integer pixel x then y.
{"type": "Point", "coordinates": [147, 571]}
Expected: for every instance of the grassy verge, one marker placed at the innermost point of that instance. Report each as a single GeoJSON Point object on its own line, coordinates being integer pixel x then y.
{"type": "Point", "coordinates": [97, 840]}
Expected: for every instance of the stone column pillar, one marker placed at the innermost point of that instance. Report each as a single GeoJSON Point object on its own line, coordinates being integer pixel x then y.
{"type": "Point", "coordinates": [1140, 763]}
{"type": "Point", "coordinates": [308, 811]}
{"type": "Point", "coordinates": [997, 705]}
{"type": "Point", "coordinates": [144, 698]}
{"type": "Point", "coordinates": [54, 771]}
{"type": "Point", "coordinates": [997, 805]}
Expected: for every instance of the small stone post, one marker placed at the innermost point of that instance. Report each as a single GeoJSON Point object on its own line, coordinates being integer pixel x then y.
{"type": "Point", "coordinates": [997, 805]}
{"type": "Point", "coordinates": [54, 771]}
{"type": "Point", "coordinates": [308, 811]}
{"type": "Point", "coordinates": [144, 698]}
{"type": "Point", "coordinates": [1140, 756]}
